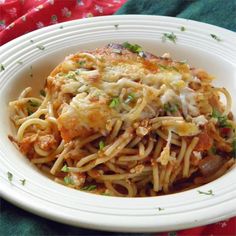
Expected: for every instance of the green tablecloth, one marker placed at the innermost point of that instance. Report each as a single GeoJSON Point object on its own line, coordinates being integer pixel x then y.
{"type": "Point", "coordinates": [14, 221]}
{"type": "Point", "coordinates": [217, 12]}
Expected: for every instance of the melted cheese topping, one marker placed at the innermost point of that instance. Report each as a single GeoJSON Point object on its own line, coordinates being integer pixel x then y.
{"type": "Point", "coordinates": [87, 85]}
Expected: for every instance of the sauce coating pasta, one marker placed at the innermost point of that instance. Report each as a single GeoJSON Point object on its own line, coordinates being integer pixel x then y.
{"type": "Point", "coordinates": [122, 122]}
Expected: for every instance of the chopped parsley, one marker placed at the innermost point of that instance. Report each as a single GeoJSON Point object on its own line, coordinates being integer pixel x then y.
{"type": "Point", "coordinates": [116, 26]}
{"type": "Point", "coordinates": [81, 63]}
{"type": "Point", "coordinates": [171, 37]}
{"type": "Point", "coordinates": [132, 47]}
{"type": "Point", "coordinates": [68, 180]}
{"type": "Point", "coordinates": [71, 75]}
{"type": "Point", "coordinates": [22, 181]}
{"type": "Point", "coordinates": [61, 27]}
{"type": "Point", "coordinates": [65, 168]}
{"type": "Point", "coordinates": [221, 119]}
{"type": "Point", "coordinates": [19, 62]}
{"type": "Point", "coordinates": [77, 72]}
{"type": "Point", "coordinates": [101, 145]}
{"type": "Point", "coordinates": [215, 37]}
{"type": "Point", "coordinates": [114, 103]}
{"type": "Point", "coordinates": [40, 47]}
{"type": "Point", "coordinates": [165, 67]}
{"type": "Point", "coordinates": [209, 192]}
{"type": "Point", "coordinates": [31, 40]}
{"type": "Point", "coordinates": [160, 209]}
{"type": "Point", "coordinates": [182, 28]}
{"type": "Point", "coordinates": [234, 148]}
{"type": "Point", "coordinates": [89, 187]}
{"type": "Point", "coordinates": [130, 98]}
{"type": "Point", "coordinates": [9, 176]}
{"type": "Point", "coordinates": [2, 68]}
{"type": "Point", "coordinates": [171, 107]}
{"type": "Point", "coordinates": [213, 149]}
{"type": "Point", "coordinates": [33, 103]}
{"type": "Point", "coordinates": [42, 92]}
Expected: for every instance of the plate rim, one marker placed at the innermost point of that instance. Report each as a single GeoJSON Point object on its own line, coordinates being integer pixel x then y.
{"type": "Point", "coordinates": [48, 214]}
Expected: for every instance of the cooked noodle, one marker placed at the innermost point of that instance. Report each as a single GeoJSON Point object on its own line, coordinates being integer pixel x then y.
{"type": "Point", "coordinates": [115, 122]}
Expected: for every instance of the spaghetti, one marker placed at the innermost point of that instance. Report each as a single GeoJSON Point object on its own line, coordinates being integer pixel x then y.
{"type": "Point", "coordinates": [122, 122]}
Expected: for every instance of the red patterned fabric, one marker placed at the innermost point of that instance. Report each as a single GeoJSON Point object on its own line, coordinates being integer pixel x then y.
{"type": "Point", "coordinates": [222, 228]}
{"type": "Point", "coordinates": [18, 17]}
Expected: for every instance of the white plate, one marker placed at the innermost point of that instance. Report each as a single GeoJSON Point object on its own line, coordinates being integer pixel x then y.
{"type": "Point", "coordinates": [46, 198]}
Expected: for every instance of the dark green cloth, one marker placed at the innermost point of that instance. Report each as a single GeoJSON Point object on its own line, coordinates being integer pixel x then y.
{"type": "Point", "coordinates": [217, 12]}
{"type": "Point", "coordinates": [17, 222]}
{"type": "Point", "coordinates": [14, 221]}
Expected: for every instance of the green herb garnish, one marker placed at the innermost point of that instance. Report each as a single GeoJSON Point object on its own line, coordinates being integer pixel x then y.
{"type": "Point", "coordinates": [65, 168]}
{"type": "Point", "coordinates": [171, 107]}
{"type": "Point", "coordinates": [19, 62]}
{"type": "Point", "coordinates": [101, 145]}
{"type": "Point", "coordinates": [171, 37]}
{"type": "Point", "coordinates": [89, 187]}
{"type": "Point", "coordinates": [42, 92]}
{"type": "Point", "coordinates": [213, 150]}
{"type": "Point", "coordinates": [68, 180]}
{"type": "Point", "coordinates": [114, 103]}
{"type": "Point", "coordinates": [132, 47]}
{"type": "Point", "coordinates": [81, 63]}
{"type": "Point", "coordinates": [221, 119]}
{"type": "Point", "coordinates": [116, 26]}
{"type": "Point", "coordinates": [2, 68]}
{"type": "Point", "coordinates": [9, 176]}
{"type": "Point", "coordinates": [31, 40]}
{"type": "Point", "coordinates": [164, 67]}
{"type": "Point", "coordinates": [160, 209]}
{"type": "Point", "coordinates": [22, 181]}
{"type": "Point", "coordinates": [130, 98]}
{"type": "Point", "coordinates": [33, 103]}
{"type": "Point", "coordinates": [71, 75]}
{"type": "Point", "coordinates": [182, 28]}
{"type": "Point", "coordinates": [234, 148]}
{"type": "Point", "coordinates": [215, 37]}
{"type": "Point", "coordinates": [209, 192]}
{"type": "Point", "coordinates": [40, 47]}
{"type": "Point", "coordinates": [61, 27]}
